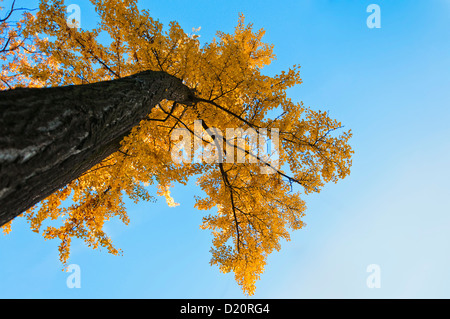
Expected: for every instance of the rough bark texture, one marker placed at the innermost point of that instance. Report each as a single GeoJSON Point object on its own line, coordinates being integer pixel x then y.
{"type": "Point", "coordinates": [50, 136]}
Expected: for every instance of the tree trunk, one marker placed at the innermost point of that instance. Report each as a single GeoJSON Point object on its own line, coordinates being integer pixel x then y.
{"type": "Point", "coordinates": [50, 136]}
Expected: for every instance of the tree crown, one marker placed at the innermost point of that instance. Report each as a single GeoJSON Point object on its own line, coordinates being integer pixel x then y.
{"type": "Point", "coordinates": [249, 212]}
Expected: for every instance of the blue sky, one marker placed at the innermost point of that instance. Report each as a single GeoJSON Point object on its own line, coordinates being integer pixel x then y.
{"type": "Point", "coordinates": [390, 85]}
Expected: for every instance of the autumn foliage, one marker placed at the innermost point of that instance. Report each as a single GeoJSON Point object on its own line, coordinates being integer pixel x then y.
{"type": "Point", "coordinates": [249, 213]}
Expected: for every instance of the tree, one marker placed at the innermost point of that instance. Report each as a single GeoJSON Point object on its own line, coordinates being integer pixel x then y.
{"type": "Point", "coordinates": [226, 90]}
{"type": "Point", "coordinates": [50, 136]}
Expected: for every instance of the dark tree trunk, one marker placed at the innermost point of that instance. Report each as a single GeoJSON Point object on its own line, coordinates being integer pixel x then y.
{"type": "Point", "coordinates": [50, 136]}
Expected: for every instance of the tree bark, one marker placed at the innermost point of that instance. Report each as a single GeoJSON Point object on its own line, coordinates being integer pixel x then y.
{"type": "Point", "coordinates": [50, 136]}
